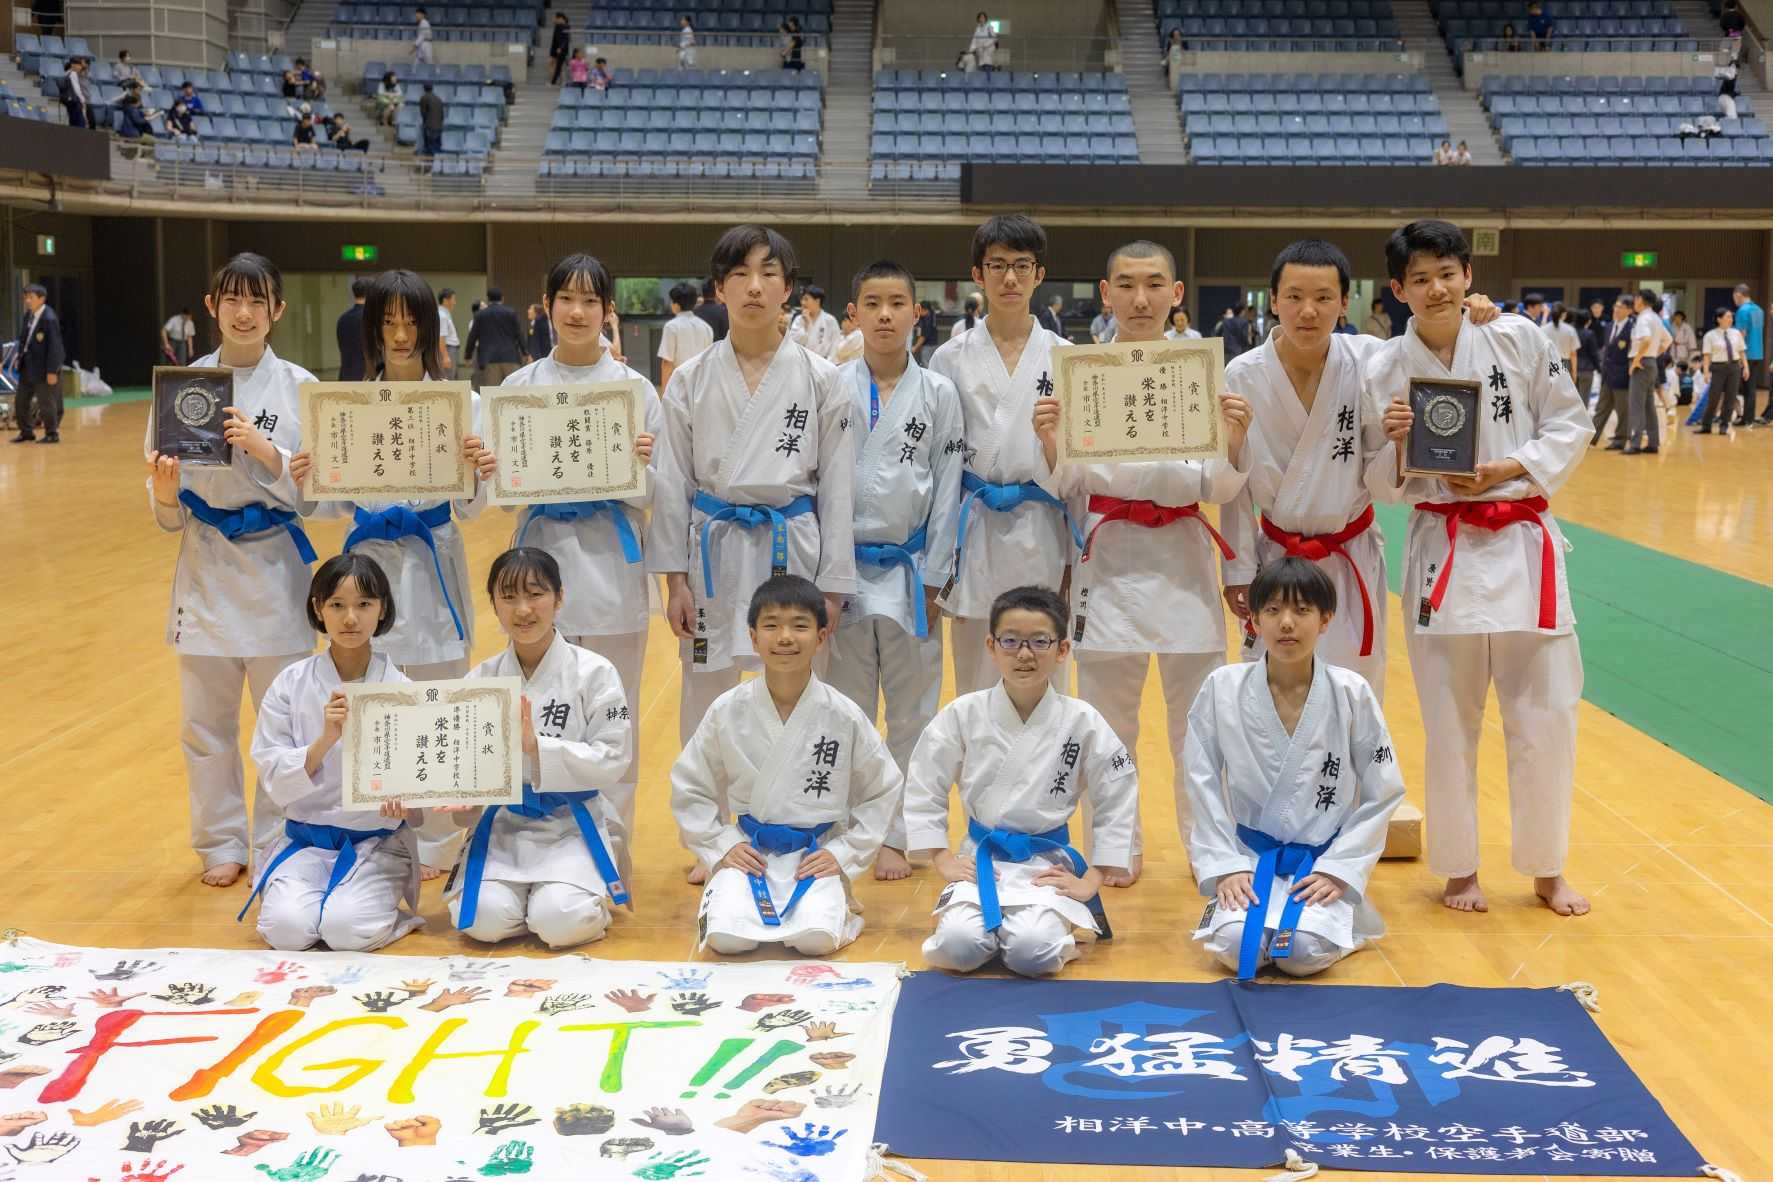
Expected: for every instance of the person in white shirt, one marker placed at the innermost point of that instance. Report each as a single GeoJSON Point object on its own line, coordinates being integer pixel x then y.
{"type": "Point", "coordinates": [1463, 155]}
{"type": "Point", "coordinates": [815, 329]}
{"type": "Point", "coordinates": [1723, 359]}
{"type": "Point", "coordinates": [1649, 338]}
{"type": "Point", "coordinates": [850, 347]}
{"type": "Point", "coordinates": [1563, 337]}
{"type": "Point", "coordinates": [446, 322]}
{"type": "Point", "coordinates": [177, 337]}
{"type": "Point", "coordinates": [1179, 328]}
{"type": "Point", "coordinates": [421, 40]}
{"type": "Point", "coordinates": [983, 46]}
{"type": "Point", "coordinates": [685, 334]}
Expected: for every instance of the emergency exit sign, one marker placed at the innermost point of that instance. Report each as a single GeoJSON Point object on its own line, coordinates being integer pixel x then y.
{"type": "Point", "coordinates": [358, 252]}
{"type": "Point", "coordinates": [1637, 260]}
{"type": "Point", "coordinates": [46, 244]}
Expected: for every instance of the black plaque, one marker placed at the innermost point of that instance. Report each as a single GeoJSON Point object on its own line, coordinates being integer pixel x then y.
{"type": "Point", "coordinates": [1443, 437]}
{"type": "Point", "coordinates": [190, 408]}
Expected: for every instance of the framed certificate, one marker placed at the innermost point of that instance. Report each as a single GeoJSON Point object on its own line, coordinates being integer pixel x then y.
{"type": "Point", "coordinates": [1156, 400]}
{"type": "Point", "coordinates": [387, 440]}
{"type": "Point", "coordinates": [1443, 437]}
{"type": "Point", "coordinates": [434, 742]}
{"type": "Point", "coordinates": [190, 412]}
{"type": "Point", "coordinates": [565, 443]}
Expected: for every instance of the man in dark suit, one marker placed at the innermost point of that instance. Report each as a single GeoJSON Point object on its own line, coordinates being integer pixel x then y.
{"type": "Point", "coordinates": [40, 359]}
{"type": "Point", "coordinates": [1615, 352]}
{"type": "Point", "coordinates": [712, 310]}
{"type": "Point", "coordinates": [495, 341]}
{"type": "Point", "coordinates": [350, 333]}
{"type": "Point", "coordinates": [1049, 316]}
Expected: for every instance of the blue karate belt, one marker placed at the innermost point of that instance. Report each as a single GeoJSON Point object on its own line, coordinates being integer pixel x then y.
{"type": "Point", "coordinates": [535, 806]}
{"type": "Point", "coordinates": [778, 839]}
{"type": "Point", "coordinates": [749, 516]}
{"type": "Point", "coordinates": [1275, 858]}
{"type": "Point", "coordinates": [399, 521]}
{"type": "Point", "coordinates": [578, 511]}
{"type": "Point", "coordinates": [888, 554]}
{"type": "Point", "coordinates": [256, 518]}
{"type": "Point", "coordinates": [1011, 846]}
{"type": "Point", "coordinates": [1002, 498]}
{"type": "Point", "coordinates": [303, 836]}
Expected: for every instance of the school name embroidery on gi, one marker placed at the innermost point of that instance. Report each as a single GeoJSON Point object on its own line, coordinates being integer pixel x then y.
{"type": "Point", "coordinates": [615, 712]}
{"type": "Point", "coordinates": [818, 780]}
{"type": "Point", "coordinates": [555, 714]}
{"type": "Point", "coordinates": [265, 421]}
{"type": "Point", "coordinates": [914, 431]}
{"type": "Point", "coordinates": [1326, 793]}
{"type": "Point", "coordinates": [1068, 754]}
{"type": "Point", "coordinates": [794, 421]}
{"type": "Point", "coordinates": [1343, 449]}
{"type": "Point", "coordinates": [1501, 408]}
{"type": "Point", "coordinates": [1044, 384]}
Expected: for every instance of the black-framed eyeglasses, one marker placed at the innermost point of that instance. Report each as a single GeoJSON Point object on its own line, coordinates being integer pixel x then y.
{"type": "Point", "coordinates": [1035, 644]}
{"type": "Point", "coordinates": [996, 268]}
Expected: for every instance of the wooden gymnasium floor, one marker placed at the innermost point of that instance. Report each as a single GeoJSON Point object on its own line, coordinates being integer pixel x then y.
{"type": "Point", "coordinates": [93, 839]}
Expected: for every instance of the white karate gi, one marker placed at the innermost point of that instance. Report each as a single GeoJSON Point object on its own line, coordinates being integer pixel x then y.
{"type": "Point", "coordinates": [907, 478]}
{"type": "Point", "coordinates": [1313, 474]}
{"type": "Point", "coordinates": [1488, 625]}
{"type": "Point", "coordinates": [1148, 591]}
{"type": "Point", "coordinates": [1029, 544]}
{"type": "Point", "coordinates": [826, 763]}
{"type": "Point", "coordinates": [1335, 779]}
{"type": "Point", "coordinates": [539, 876]}
{"type": "Point", "coordinates": [363, 913]}
{"type": "Point", "coordinates": [1027, 777]}
{"type": "Point", "coordinates": [791, 438]}
{"type": "Point", "coordinates": [819, 336]}
{"type": "Point", "coordinates": [238, 613]}
{"type": "Point", "coordinates": [606, 603]}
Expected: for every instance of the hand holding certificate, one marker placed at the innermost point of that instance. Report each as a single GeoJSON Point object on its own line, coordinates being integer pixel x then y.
{"type": "Point", "coordinates": [387, 440]}
{"type": "Point", "coordinates": [429, 743]}
{"type": "Point", "coordinates": [1155, 400]}
{"type": "Point", "coordinates": [191, 414]}
{"type": "Point", "coordinates": [565, 443]}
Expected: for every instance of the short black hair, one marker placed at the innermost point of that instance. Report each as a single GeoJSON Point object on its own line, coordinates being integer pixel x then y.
{"type": "Point", "coordinates": [518, 566]}
{"type": "Point", "coordinates": [734, 246]}
{"type": "Point", "coordinates": [1533, 297]}
{"type": "Point", "coordinates": [445, 294]}
{"type": "Point", "coordinates": [359, 287]}
{"type": "Point", "coordinates": [1032, 599]}
{"type": "Point", "coordinates": [1720, 312]}
{"type": "Point", "coordinates": [414, 295]}
{"type": "Point", "coordinates": [1648, 296]}
{"type": "Point", "coordinates": [1017, 231]}
{"type": "Point", "coordinates": [578, 270]}
{"type": "Point", "coordinates": [1293, 580]}
{"type": "Point", "coordinates": [187, 82]}
{"type": "Point", "coordinates": [1429, 236]}
{"type": "Point", "coordinates": [1623, 297]}
{"type": "Point", "coordinates": [1310, 252]}
{"type": "Point", "coordinates": [36, 289]}
{"type": "Point", "coordinates": [361, 569]}
{"type": "Point", "coordinates": [249, 274]}
{"type": "Point", "coordinates": [1140, 248]}
{"type": "Point", "coordinates": [427, 87]}
{"type": "Point", "coordinates": [683, 295]}
{"type": "Point", "coordinates": [787, 591]}
{"type": "Point", "coordinates": [881, 269]}
{"type": "Point", "coordinates": [814, 290]}
{"type": "Point", "coordinates": [1378, 303]}
{"type": "Point", "coordinates": [709, 287]}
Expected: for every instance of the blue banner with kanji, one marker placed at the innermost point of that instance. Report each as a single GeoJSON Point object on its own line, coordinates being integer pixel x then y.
{"type": "Point", "coordinates": [1475, 1081]}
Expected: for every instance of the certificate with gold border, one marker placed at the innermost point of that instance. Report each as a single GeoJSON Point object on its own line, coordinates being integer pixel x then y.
{"type": "Point", "coordinates": [566, 442]}
{"type": "Point", "coordinates": [387, 440]}
{"type": "Point", "coordinates": [427, 743]}
{"type": "Point", "coordinates": [1153, 400]}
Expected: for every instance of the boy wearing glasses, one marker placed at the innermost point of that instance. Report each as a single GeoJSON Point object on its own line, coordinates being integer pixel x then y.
{"type": "Point", "coordinates": [1013, 527]}
{"type": "Point", "coordinates": [1025, 756]}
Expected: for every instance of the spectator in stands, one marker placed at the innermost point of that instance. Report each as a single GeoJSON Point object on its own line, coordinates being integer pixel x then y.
{"type": "Point", "coordinates": [1462, 155]}
{"type": "Point", "coordinates": [292, 83]}
{"type": "Point", "coordinates": [431, 121]}
{"type": "Point", "coordinates": [446, 326]}
{"type": "Point", "coordinates": [133, 120]}
{"type": "Point", "coordinates": [600, 75]}
{"type": "Point", "coordinates": [686, 43]}
{"type": "Point", "coordinates": [389, 99]}
{"type": "Point", "coordinates": [338, 132]}
{"type": "Point", "coordinates": [313, 85]}
{"type": "Point", "coordinates": [541, 333]}
{"type": "Point", "coordinates": [711, 310]}
{"type": "Point", "coordinates": [1751, 321]}
{"type": "Point", "coordinates": [189, 96]}
{"type": "Point", "coordinates": [1726, 75]}
{"type": "Point", "coordinates": [1179, 327]}
{"type": "Point", "coordinates": [1724, 361]}
{"type": "Point", "coordinates": [126, 71]}
{"type": "Point", "coordinates": [1539, 26]}
{"type": "Point", "coordinates": [349, 333]}
{"type": "Point", "coordinates": [814, 328]}
{"type": "Point", "coordinates": [1173, 50]}
{"type": "Point", "coordinates": [1615, 356]}
{"type": "Point", "coordinates": [1731, 19]}
{"type": "Point", "coordinates": [421, 37]}
{"type": "Point", "coordinates": [578, 70]}
{"type": "Point", "coordinates": [794, 45]}
{"type": "Point", "coordinates": [72, 90]}
{"type": "Point", "coordinates": [1102, 327]}
{"type": "Point", "coordinates": [495, 341]}
{"type": "Point", "coordinates": [983, 47]}
{"type": "Point", "coordinates": [923, 336]}
{"type": "Point", "coordinates": [40, 357]}
{"type": "Point", "coordinates": [684, 335]}
{"type": "Point", "coordinates": [1511, 40]}
{"type": "Point", "coordinates": [1444, 153]}
{"type": "Point", "coordinates": [1378, 322]}
{"type": "Point", "coordinates": [179, 123]}
{"type": "Point", "coordinates": [178, 336]}
{"type": "Point", "coordinates": [969, 316]}
{"type": "Point", "coordinates": [560, 47]}
{"type": "Point", "coordinates": [303, 136]}
{"type": "Point", "coordinates": [1049, 316]}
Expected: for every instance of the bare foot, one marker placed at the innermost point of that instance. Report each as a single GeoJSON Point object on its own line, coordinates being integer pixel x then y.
{"type": "Point", "coordinates": [427, 873]}
{"type": "Point", "coordinates": [1464, 894]}
{"type": "Point", "coordinates": [225, 874]}
{"type": "Point", "coordinates": [1125, 878]}
{"type": "Point", "coordinates": [698, 874]}
{"type": "Point", "coordinates": [1560, 896]}
{"type": "Point", "coordinates": [891, 864]}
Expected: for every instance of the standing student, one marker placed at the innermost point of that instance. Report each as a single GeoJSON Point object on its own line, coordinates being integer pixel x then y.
{"type": "Point", "coordinates": [1013, 527]}
{"type": "Point", "coordinates": [1025, 757]}
{"type": "Point", "coordinates": [711, 311]}
{"type": "Point", "coordinates": [1484, 591]}
{"type": "Point", "coordinates": [686, 43]}
{"type": "Point", "coordinates": [332, 879]}
{"type": "Point", "coordinates": [755, 474]}
{"type": "Point", "coordinates": [1751, 321]}
{"type": "Point", "coordinates": [1147, 582]}
{"type": "Point", "coordinates": [684, 335]}
{"type": "Point", "coordinates": [888, 640]}
{"type": "Point", "coordinates": [597, 544]}
{"type": "Point", "coordinates": [809, 780]}
{"type": "Point", "coordinates": [239, 594]}
{"type": "Point", "coordinates": [814, 328]}
{"type": "Point", "coordinates": [177, 336]}
{"type": "Point", "coordinates": [421, 37]}
{"type": "Point", "coordinates": [446, 324]}
{"type": "Point", "coordinates": [40, 355]}
{"type": "Point", "coordinates": [348, 331]}
{"type": "Point", "coordinates": [416, 541]}
{"type": "Point", "coordinates": [1649, 339]}
{"type": "Point", "coordinates": [560, 47]}
{"type": "Point", "coordinates": [971, 309]}
{"type": "Point", "coordinates": [1294, 781]}
{"type": "Point", "coordinates": [1723, 359]}
{"type": "Point", "coordinates": [850, 346]}
{"type": "Point", "coordinates": [550, 865]}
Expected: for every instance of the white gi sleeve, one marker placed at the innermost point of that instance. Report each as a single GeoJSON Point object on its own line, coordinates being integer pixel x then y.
{"type": "Point", "coordinates": [601, 759]}
{"type": "Point", "coordinates": [1361, 840]}
{"type": "Point", "coordinates": [1113, 784]}
{"type": "Point", "coordinates": [872, 809]}
{"type": "Point", "coordinates": [282, 759]}
{"type": "Point", "coordinates": [696, 779]}
{"type": "Point", "coordinates": [1562, 424]}
{"type": "Point", "coordinates": [936, 764]}
{"type": "Point", "coordinates": [837, 480]}
{"type": "Point", "coordinates": [674, 483]}
{"type": "Point", "coordinates": [948, 449]}
{"type": "Point", "coordinates": [1237, 524]}
{"type": "Point", "coordinates": [1214, 850]}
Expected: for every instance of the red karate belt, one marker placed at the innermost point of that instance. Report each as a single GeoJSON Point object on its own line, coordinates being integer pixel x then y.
{"type": "Point", "coordinates": [1149, 514]}
{"type": "Point", "coordinates": [1318, 547]}
{"type": "Point", "coordinates": [1493, 515]}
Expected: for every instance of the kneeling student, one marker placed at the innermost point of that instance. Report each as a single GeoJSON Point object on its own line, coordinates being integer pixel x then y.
{"type": "Point", "coordinates": [1294, 782]}
{"type": "Point", "coordinates": [326, 880]}
{"type": "Point", "coordinates": [1024, 755]}
{"type": "Point", "coordinates": [548, 865]}
{"type": "Point", "coordinates": [809, 778]}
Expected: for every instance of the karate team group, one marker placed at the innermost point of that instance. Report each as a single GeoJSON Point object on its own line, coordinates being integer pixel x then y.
{"type": "Point", "coordinates": [817, 523]}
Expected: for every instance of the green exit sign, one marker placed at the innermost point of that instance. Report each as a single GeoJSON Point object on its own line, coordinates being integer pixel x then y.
{"type": "Point", "coordinates": [363, 252]}
{"type": "Point", "coordinates": [1637, 260]}
{"type": "Point", "coordinates": [46, 244]}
